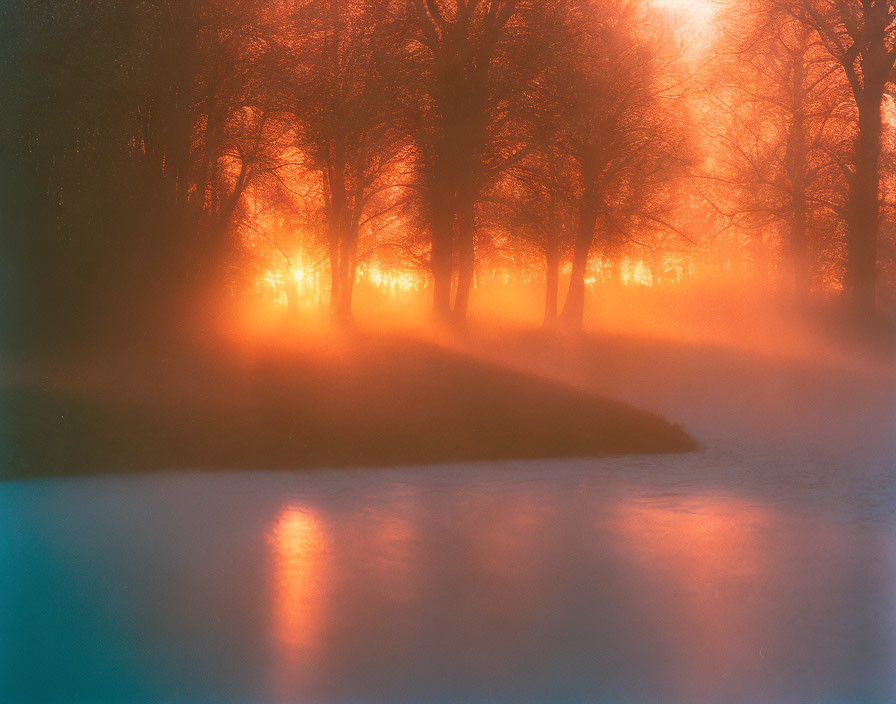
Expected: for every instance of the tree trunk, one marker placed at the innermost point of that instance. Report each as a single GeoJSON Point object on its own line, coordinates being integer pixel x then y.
{"type": "Point", "coordinates": [441, 261]}
{"type": "Point", "coordinates": [551, 251]}
{"type": "Point", "coordinates": [334, 272]}
{"type": "Point", "coordinates": [552, 283]}
{"type": "Point", "coordinates": [343, 314]}
{"type": "Point", "coordinates": [466, 261]}
{"type": "Point", "coordinates": [336, 218]}
{"type": "Point", "coordinates": [574, 308]}
{"type": "Point", "coordinates": [863, 219]}
{"type": "Point", "coordinates": [799, 252]}
{"type": "Point", "coordinates": [798, 245]}
{"type": "Point", "coordinates": [347, 266]}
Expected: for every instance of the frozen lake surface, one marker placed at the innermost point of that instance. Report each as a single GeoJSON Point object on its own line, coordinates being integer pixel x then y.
{"type": "Point", "coordinates": [761, 569]}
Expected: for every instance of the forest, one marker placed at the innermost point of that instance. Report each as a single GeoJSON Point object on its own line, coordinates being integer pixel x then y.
{"type": "Point", "coordinates": [298, 152]}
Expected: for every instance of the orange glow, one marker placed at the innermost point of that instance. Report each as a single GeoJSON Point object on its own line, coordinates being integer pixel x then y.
{"type": "Point", "coordinates": [393, 282]}
{"type": "Point", "coordinates": [313, 286]}
{"type": "Point", "coordinates": [709, 537]}
{"type": "Point", "coordinates": [298, 545]}
{"type": "Point", "coordinates": [708, 551]}
{"type": "Point", "coordinates": [636, 272]}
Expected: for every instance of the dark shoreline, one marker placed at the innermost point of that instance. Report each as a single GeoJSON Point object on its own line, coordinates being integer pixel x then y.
{"type": "Point", "coordinates": [386, 402]}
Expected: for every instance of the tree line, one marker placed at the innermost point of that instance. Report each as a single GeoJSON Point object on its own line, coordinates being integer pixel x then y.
{"type": "Point", "coordinates": [801, 148]}
{"type": "Point", "coordinates": [140, 140]}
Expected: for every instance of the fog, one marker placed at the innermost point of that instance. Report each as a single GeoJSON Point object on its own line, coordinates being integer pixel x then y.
{"type": "Point", "coordinates": [759, 569]}
{"type": "Point", "coordinates": [448, 351]}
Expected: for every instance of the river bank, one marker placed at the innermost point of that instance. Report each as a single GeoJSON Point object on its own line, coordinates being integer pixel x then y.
{"type": "Point", "coordinates": [364, 401]}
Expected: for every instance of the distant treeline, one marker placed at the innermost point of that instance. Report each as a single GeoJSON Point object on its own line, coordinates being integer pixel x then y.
{"type": "Point", "coordinates": [143, 144]}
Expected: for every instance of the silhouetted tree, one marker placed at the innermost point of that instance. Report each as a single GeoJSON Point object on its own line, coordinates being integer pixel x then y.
{"type": "Point", "coordinates": [781, 146]}
{"type": "Point", "coordinates": [342, 92]}
{"type": "Point", "coordinates": [861, 37]}
{"type": "Point", "coordinates": [129, 134]}
{"type": "Point", "coordinates": [471, 60]}
{"type": "Point", "coordinates": [617, 128]}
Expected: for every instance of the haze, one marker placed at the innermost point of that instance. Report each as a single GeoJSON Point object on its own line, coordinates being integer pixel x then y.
{"type": "Point", "coordinates": [448, 351]}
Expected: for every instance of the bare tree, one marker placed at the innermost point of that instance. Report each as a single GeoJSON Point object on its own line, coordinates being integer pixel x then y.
{"type": "Point", "coordinates": [340, 95]}
{"type": "Point", "coordinates": [779, 157]}
{"type": "Point", "coordinates": [618, 130]}
{"type": "Point", "coordinates": [861, 37]}
{"type": "Point", "coordinates": [470, 60]}
{"type": "Point", "coordinates": [532, 205]}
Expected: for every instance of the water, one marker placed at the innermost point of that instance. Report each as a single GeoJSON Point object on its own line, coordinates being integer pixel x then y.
{"type": "Point", "coordinates": [761, 569]}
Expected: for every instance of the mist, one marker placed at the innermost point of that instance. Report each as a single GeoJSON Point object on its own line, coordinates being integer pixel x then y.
{"type": "Point", "coordinates": [448, 351]}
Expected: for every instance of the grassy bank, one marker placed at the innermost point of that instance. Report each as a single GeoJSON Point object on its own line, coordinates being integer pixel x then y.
{"type": "Point", "coordinates": [363, 402]}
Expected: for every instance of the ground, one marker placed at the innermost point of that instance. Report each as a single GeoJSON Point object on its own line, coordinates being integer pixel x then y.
{"type": "Point", "coordinates": [361, 400]}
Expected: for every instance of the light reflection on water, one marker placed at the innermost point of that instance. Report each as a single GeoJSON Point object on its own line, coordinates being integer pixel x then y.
{"type": "Point", "coordinates": [297, 543]}
{"type": "Point", "coordinates": [534, 581]}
